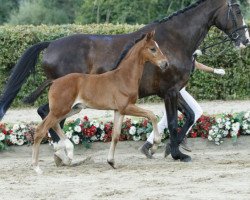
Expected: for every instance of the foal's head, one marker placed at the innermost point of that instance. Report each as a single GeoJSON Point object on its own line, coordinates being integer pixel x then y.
{"type": "Point", "coordinates": [152, 53]}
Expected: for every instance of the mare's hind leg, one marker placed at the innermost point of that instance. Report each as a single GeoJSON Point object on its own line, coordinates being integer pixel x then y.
{"type": "Point", "coordinates": [134, 110]}
{"type": "Point", "coordinates": [118, 118]}
{"type": "Point", "coordinates": [40, 133]}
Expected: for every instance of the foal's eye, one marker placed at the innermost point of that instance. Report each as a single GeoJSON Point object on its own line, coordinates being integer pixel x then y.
{"type": "Point", "coordinates": [238, 12]}
{"type": "Point", "coordinates": [153, 50]}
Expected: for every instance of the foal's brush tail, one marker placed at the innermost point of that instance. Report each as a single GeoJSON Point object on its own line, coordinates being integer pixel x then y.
{"type": "Point", "coordinates": [35, 94]}
{"type": "Point", "coordinates": [20, 73]}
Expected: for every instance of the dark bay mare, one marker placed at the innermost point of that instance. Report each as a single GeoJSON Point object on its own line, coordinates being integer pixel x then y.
{"type": "Point", "coordinates": [178, 35]}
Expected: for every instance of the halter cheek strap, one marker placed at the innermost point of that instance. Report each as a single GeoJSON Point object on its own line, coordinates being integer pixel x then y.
{"type": "Point", "coordinates": [234, 35]}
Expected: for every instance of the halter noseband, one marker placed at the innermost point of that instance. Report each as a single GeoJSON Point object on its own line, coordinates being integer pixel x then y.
{"type": "Point", "coordinates": [234, 35]}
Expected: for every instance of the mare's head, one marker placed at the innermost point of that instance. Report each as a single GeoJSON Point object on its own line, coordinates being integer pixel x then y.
{"type": "Point", "coordinates": [229, 19]}
{"type": "Point", "coordinates": [151, 51]}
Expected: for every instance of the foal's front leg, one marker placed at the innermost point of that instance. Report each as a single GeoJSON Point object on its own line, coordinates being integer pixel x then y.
{"type": "Point", "coordinates": [134, 110]}
{"type": "Point", "coordinates": [118, 118]}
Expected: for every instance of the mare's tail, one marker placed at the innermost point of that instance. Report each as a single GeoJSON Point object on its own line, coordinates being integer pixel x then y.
{"type": "Point", "coordinates": [21, 71]}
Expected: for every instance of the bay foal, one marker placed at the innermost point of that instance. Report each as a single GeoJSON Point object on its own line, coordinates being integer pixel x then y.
{"type": "Point", "coordinates": [114, 90]}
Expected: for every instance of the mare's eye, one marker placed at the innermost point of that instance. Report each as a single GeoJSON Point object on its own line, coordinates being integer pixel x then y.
{"type": "Point", "coordinates": [153, 50]}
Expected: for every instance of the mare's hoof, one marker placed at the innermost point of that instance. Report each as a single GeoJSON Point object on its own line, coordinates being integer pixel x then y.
{"type": "Point", "coordinates": [186, 159]}
{"type": "Point", "coordinates": [111, 163]}
{"type": "Point", "coordinates": [167, 150]}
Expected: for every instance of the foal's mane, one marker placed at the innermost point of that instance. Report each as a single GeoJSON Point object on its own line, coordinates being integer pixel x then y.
{"type": "Point", "coordinates": [126, 50]}
{"type": "Point", "coordinates": [194, 5]}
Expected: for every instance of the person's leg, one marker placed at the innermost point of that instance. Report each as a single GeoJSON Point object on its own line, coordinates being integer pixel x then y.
{"type": "Point", "coordinates": [195, 111]}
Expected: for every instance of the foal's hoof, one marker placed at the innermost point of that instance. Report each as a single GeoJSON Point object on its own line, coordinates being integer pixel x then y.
{"type": "Point", "coordinates": [58, 161]}
{"type": "Point", "coordinates": [38, 170]}
{"type": "Point", "coordinates": [167, 150]}
{"type": "Point", "coordinates": [111, 163]}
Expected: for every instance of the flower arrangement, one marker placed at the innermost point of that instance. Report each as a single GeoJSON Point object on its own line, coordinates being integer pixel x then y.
{"type": "Point", "coordinates": [84, 131]}
{"type": "Point", "coordinates": [225, 126]}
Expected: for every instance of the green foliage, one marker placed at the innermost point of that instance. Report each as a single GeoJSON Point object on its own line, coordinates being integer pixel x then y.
{"type": "Point", "coordinates": [6, 7]}
{"type": "Point", "coordinates": [235, 84]}
{"type": "Point", "coordinates": [44, 12]}
{"type": "Point", "coordinates": [131, 11]}
{"type": "Point", "coordinates": [14, 40]}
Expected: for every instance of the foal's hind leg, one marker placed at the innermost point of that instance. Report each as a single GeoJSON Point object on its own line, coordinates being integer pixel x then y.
{"type": "Point", "coordinates": [65, 145]}
{"type": "Point", "coordinates": [40, 133]}
{"type": "Point", "coordinates": [118, 118]}
{"type": "Point", "coordinates": [64, 140]}
{"type": "Point", "coordinates": [134, 110]}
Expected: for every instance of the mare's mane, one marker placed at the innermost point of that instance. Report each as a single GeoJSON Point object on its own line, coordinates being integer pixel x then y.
{"type": "Point", "coordinates": [191, 6]}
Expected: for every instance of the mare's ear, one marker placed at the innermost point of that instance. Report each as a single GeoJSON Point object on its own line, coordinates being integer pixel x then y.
{"type": "Point", "coordinates": [150, 35]}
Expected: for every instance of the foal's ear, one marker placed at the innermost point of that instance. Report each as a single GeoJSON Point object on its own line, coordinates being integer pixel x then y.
{"type": "Point", "coordinates": [150, 35]}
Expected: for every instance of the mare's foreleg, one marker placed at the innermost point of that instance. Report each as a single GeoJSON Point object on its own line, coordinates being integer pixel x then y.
{"type": "Point", "coordinates": [118, 118]}
{"type": "Point", "coordinates": [172, 117]}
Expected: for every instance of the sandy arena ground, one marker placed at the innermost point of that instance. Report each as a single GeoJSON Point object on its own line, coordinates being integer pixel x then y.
{"type": "Point", "coordinates": [216, 172]}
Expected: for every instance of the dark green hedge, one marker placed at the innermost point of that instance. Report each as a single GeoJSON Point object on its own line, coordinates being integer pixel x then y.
{"type": "Point", "coordinates": [234, 85]}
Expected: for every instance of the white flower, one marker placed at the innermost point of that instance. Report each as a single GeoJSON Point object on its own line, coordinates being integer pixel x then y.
{"type": "Point", "coordinates": [247, 115]}
{"type": "Point", "coordinates": [94, 123]}
{"type": "Point", "coordinates": [219, 120]}
{"type": "Point", "coordinates": [245, 126]}
{"type": "Point", "coordinates": [2, 136]}
{"type": "Point", "coordinates": [93, 138]}
{"type": "Point", "coordinates": [20, 142]}
{"type": "Point", "coordinates": [75, 139]}
{"type": "Point", "coordinates": [22, 126]}
{"type": "Point", "coordinates": [248, 131]}
{"type": "Point", "coordinates": [217, 143]}
{"type": "Point", "coordinates": [219, 136]}
{"type": "Point", "coordinates": [225, 133]}
{"type": "Point", "coordinates": [15, 127]}
{"type": "Point", "coordinates": [19, 133]}
{"type": "Point", "coordinates": [136, 138]}
{"type": "Point", "coordinates": [68, 134]}
{"type": "Point", "coordinates": [236, 126]}
{"type": "Point", "coordinates": [216, 139]}
{"type": "Point", "coordinates": [228, 125]}
{"type": "Point", "coordinates": [101, 126]}
{"type": "Point", "coordinates": [209, 138]}
{"type": "Point", "coordinates": [132, 130]}
{"type": "Point", "coordinates": [233, 133]}
{"type": "Point", "coordinates": [13, 139]}
{"type": "Point", "coordinates": [78, 129]}
{"type": "Point", "coordinates": [220, 125]}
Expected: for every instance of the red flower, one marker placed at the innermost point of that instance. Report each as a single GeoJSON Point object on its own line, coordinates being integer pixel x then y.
{"type": "Point", "coordinates": [86, 119]}
{"type": "Point", "coordinates": [4, 132]}
{"type": "Point", "coordinates": [193, 134]}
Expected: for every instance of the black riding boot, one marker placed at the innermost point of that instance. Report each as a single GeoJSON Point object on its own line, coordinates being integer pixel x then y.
{"type": "Point", "coordinates": [145, 149]}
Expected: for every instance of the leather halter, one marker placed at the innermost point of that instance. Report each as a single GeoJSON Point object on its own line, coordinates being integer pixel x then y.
{"type": "Point", "coordinates": [234, 35]}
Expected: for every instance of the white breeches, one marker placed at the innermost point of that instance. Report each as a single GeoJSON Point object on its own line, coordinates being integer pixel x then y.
{"type": "Point", "coordinates": [163, 123]}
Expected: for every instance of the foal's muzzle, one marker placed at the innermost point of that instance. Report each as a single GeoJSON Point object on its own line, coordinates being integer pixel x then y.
{"type": "Point", "coordinates": [163, 64]}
